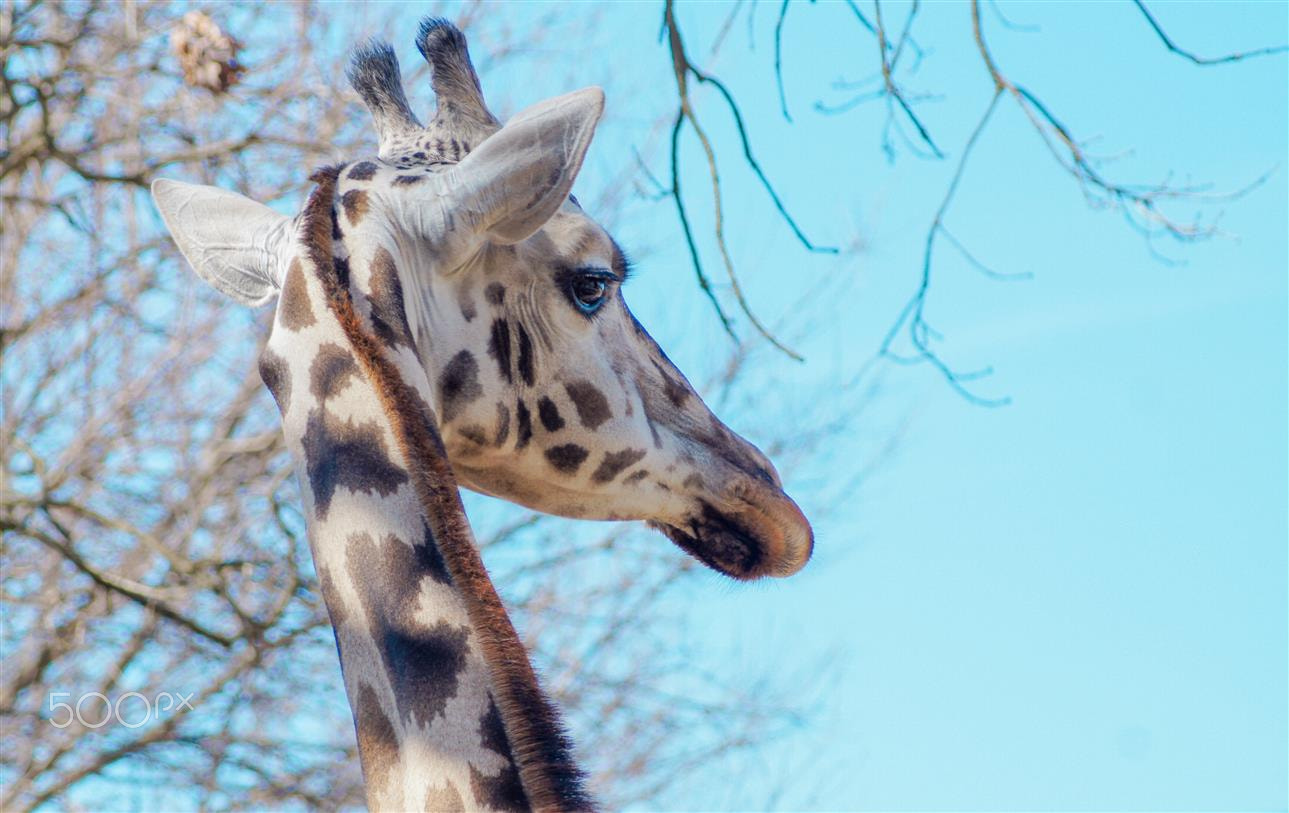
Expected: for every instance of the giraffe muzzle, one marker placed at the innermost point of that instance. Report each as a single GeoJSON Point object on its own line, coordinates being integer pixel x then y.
{"type": "Point", "coordinates": [749, 539]}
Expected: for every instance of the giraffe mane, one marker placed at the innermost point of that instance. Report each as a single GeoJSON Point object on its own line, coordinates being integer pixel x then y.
{"type": "Point", "coordinates": [540, 746]}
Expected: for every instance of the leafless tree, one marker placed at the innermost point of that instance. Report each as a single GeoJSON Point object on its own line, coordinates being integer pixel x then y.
{"type": "Point", "coordinates": [154, 568]}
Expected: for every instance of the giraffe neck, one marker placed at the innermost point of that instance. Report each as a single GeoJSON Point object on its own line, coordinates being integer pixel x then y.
{"type": "Point", "coordinates": [446, 705]}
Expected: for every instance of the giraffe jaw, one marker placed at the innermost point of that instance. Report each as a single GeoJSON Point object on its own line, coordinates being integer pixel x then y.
{"type": "Point", "coordinates": [749, 541]}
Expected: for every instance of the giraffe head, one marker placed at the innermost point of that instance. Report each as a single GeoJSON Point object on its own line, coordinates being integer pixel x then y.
{"type": "Point", "coordinates": [473, 265]}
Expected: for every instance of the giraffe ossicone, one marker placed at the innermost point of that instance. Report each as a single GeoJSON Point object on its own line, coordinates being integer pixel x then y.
{"type": "Point", "coordinates": [447, 315]}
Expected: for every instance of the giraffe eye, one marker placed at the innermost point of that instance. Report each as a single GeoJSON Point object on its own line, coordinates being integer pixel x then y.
{"type": "Point", "coordinates": [589, 292]}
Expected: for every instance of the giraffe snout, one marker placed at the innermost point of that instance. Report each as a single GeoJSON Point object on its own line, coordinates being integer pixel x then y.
{"type": "Point", "coordinates": [754, 531]}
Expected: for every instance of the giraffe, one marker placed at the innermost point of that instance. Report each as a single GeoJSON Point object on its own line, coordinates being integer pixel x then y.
{"type": "Point", "coordinates": [447, 315]}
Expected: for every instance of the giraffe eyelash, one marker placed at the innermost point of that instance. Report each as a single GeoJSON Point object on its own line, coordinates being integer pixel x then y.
{"type": "Point", "coordinates": [622, 265]}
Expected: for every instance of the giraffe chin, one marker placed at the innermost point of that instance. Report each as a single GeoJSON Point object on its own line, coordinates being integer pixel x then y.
{"type": "Point", "coordinates": [750, 542]}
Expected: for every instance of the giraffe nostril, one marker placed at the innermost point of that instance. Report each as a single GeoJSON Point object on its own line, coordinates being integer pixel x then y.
{"type": "Point", "coordinates": [749, 459]}
{"type": "Point", "coordinates": [742, 455]}
{"type": "Point", "coordinates": [769, 475]}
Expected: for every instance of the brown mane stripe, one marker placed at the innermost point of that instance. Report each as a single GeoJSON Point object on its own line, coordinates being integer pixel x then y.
{"type": "Point", "coordinates": [551, 779]}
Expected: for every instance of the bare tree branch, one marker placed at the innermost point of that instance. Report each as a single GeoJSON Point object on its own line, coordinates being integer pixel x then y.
{"type": "Point", "coordinates": [892, 91]}
{"type": "Point", "coordinates": [1142, 207]}
{"type": "Point", "coordinates": [778, 59]}
{"type": "Point", "coordinates": [683, 69]}
{"type": "Point", "coordinates": [1199, 60]}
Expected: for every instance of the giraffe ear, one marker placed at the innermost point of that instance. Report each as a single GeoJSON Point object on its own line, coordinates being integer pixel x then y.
{"type": "Point", "coordinates": [519, 176]}
{"type": "Point", "coordinates": [231, 241]}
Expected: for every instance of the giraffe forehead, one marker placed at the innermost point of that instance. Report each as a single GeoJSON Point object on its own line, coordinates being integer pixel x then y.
{"type": "Point", "coordinates": [571, 238]}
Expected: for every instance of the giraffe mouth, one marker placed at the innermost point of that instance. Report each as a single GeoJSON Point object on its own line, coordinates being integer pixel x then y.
{"type": "Point", "coordinates": [748, 543]}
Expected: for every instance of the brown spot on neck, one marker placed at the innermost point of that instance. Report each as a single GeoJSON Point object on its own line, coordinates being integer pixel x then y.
{"type": "Point", "coordinates": [388, 311]}
{"type": "Point", "coordinates": [355, 203]}
{"type": "Point", "coordinates": [362, 171]}
{"type": "Point", "coordinates": [294, 311]}
{"type": "Point", "coordinates": [377, 750]}
{"type": "Point", "coordinates": [276, 375]}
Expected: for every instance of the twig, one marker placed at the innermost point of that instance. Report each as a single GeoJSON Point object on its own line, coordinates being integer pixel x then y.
{"type": "Point", "coordinates": [725, 26]}
{"type": "Point", "coordinates": [778, 59]}
{"type": "Point", "coordinates": [905, 37]}
{"type": "Point", "coordinates": [1008, 24]}
{"type": "Point", "coordinates": [981, 267]}
{"type": "Point", "coordinates": [893, 91]}
{"type": "Point", "coordinates": [1199, 60]}
{"type": "Point", "coordinates": [719, 227]}
{"type": "Point", "coordinates": [912, 315]}
{"type": "Point", "coordinates": [890, 56]}
{"type": "Point", "coordinates": [660, 191]}
{"type": "Point", "coordinates": [703, 282]}
{"type": "Point", "coordinates": [683, 70]}
{"type": "Point", "coordinates": [756, 166]}
{"type": "Point", "coordinates": [864, 21]}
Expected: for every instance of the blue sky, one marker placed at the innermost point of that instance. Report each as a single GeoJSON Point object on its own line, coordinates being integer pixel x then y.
{"type": "Point", "coordinates": [1074, 602]}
